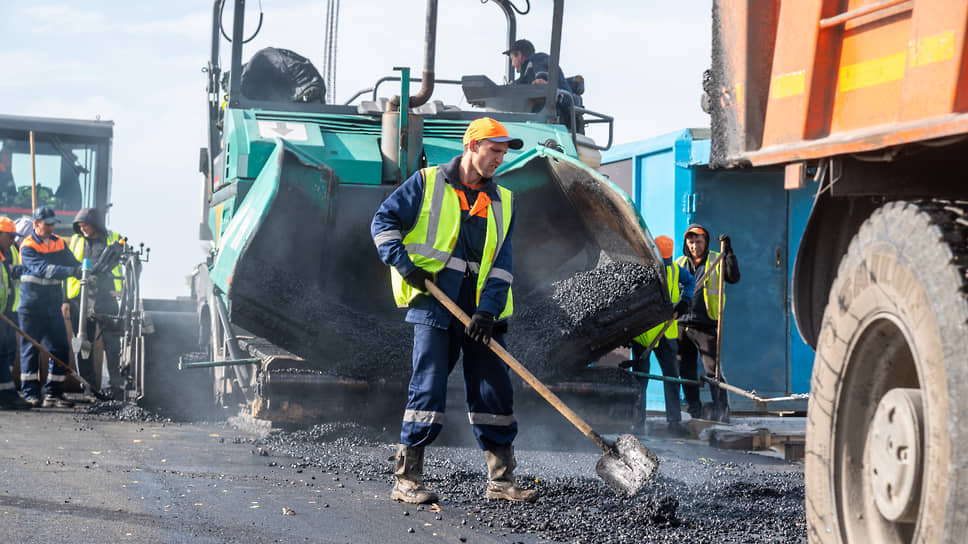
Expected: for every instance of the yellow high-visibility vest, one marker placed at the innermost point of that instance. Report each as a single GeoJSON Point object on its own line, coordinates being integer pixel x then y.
{"type": "Point", "coordinates": [77, 248]}
{"type": "Point", "coordinates": [710, 292]}
{"type": "Point", "coordinates": [432, 240]}
{"type": "Point", "coordinates": [646, 338]}
{"type": "Point", "coordinates": [8, 286]}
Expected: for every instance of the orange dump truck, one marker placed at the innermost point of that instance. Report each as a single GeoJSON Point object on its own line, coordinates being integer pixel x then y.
{"type": "Point", "coordinates": [869, 100]}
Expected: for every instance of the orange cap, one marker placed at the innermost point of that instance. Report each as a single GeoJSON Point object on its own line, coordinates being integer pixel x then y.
{"type": "Point", "coordinates": [6, 225]}
{"type": "Point", "coordinates": [665, 246]}
{"type": "Point", "coordinates": [486, 128]}
{"type": "Point", "coordinates": [697, 230]}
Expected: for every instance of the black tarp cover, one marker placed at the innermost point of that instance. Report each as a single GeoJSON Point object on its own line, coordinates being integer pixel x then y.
{"type": "Point", "coordinates": [280, 75]}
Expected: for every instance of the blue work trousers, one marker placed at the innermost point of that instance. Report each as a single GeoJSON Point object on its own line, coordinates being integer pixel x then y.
{"type": "Point", "coordinates": [8, 353]}
{"type": "Point", "coordinates": [666, 351]}
{"type": "Point", "coordinates": [46, 327]}
{"type": "Point", "coordinates": [487, 387]}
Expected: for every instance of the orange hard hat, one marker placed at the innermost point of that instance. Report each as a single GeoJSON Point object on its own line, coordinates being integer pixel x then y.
{"type": "Point", "coordinates": [6, 225]}
{"type": "Point", "coordinates": [486, 128]}
{"type": "Point", "coordinates": [665, 246]}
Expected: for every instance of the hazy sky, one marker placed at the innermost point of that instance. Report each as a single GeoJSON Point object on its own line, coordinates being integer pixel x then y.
{"type": "Point", "coordinates": [139, 65]}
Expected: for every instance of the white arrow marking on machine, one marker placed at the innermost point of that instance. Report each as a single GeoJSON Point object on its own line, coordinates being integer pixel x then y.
{"type": "Point", "coordinates": [280, 129]}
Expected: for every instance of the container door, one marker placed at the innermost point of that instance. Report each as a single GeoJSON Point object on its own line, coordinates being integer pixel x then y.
{"type": "Point", "coordinates": [751, 207]}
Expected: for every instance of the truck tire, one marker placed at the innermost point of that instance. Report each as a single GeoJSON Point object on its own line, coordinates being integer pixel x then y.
{"type": "Point", "coordinates": [886, 457]}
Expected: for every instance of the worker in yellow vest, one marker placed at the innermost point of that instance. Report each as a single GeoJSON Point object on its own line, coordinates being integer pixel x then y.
{"type": "Point", "coordinates": [698, 326]}
{"type": "Point", "coordinates": [90, 239]}
{"type": "Point", "coordinates": [452, 224]}
{"type": "Point", "coordinates": [9, 298]}
{"type": "Point", "coordinates": [681, 284]}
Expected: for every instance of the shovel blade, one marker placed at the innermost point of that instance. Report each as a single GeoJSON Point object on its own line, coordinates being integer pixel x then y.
{"type": "Point", "coordinates": [629, 467]}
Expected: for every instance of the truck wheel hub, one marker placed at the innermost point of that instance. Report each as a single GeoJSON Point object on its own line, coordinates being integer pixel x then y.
{"type": "Point", "coordinates": [895, 454]}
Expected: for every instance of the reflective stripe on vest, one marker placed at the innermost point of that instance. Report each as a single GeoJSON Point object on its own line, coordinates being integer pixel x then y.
{"type": "Point", "coordinates": [77, 248]}
{"type": "Point", "coordinates": [710, 293]}
{"type": "Point", "coordinates": [434, 236]}
{"type": "Point", "coordinates": [646, 338]}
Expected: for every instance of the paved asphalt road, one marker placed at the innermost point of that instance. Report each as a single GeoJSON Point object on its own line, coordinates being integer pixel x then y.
{"type": "Point", "coordinates": [71, 477]}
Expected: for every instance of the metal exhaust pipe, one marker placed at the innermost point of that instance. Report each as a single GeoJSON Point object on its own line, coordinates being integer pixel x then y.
{"type": "Point", "coordinates": [430, 50]}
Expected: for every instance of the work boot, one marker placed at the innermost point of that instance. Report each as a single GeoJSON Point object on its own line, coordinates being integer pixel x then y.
{"type": "Point", "coordinates": [33, 400]}
{"type": "Point", "coordinates": [117, 393]}
{"type": "Point", "coordinates": [695, 409]}
{"type": "Point", "coordinates": [408, 472]}
{"type": "Point", "coordinates": [57, 401]}
{"type": "Point", "coordinates": [11, 400]}
{"type": "Point", "coordinates": [676, 428]}
{"type": "Point", "coordinates": [87, 396]}
{"type": "Point", "coordinates": [500, 477]}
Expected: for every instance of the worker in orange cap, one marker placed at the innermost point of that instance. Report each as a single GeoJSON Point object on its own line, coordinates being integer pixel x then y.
{"type": "Point", "coordinates": [452, 225]}
{"type": "Point", "coordinates": [698, 338]}
{"type": "Point", "coordinates": [9, 297]}
{"type": "Point", "coordinates": [681, 284]}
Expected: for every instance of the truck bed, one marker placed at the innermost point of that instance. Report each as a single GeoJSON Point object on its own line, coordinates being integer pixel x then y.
{"type": "Point", "coordinates": [800, 79]}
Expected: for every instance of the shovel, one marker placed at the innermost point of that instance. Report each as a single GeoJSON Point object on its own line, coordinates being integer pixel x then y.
{"type": "Point", "coordinates": [626, 465]}
{"type": "Point", "coordinates": [43, 351]}
{"type": "Point", "coordinates": [80, 344]}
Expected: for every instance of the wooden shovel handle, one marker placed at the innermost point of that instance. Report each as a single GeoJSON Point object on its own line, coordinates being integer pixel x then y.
{"type": "Point", "coordinates": [44, 353]}
{"type": "Point", "coordinates": [525, 374]}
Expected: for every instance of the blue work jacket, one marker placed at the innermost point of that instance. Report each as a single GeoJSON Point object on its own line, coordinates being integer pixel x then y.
{"type": "Point", "coordinates": [46, 263]}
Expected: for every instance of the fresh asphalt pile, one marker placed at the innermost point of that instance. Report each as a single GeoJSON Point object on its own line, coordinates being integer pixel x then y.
{"type": "Point", "coordinates": [355, 344]}
{"type": "Point", "coordinates": [123, 411]}
{"type": "Point", "coordinates": [690, 500]}
{"type": "Point", "coordinates": [551, 331]}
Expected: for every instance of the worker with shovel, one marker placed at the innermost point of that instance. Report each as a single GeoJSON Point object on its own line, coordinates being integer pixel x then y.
{"type": "Point", "coordinates": [452, 224]}
{"type": "Point", "coordinates": [47, 262]}
{"type": "Point", "coordinates": [700, 324]}
{"type": "Point", "coordinates": [91, 238]}
{"type": "Point", "coordinates": [663, 338]}
{"type": "Point", "coordinates": [10, 271]}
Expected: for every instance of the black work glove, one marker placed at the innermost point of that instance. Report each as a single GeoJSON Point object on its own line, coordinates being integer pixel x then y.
{"type": "Point", "coordinates": [418, 279]}
{"type": "Point", "coordinates": [682, 307]}
{"type": "Point", "coordinates": [727, 245]}
{"type": "Point", "coordinates": [480, 327]}
{"type": "Point", "coordinates": [77, 272]}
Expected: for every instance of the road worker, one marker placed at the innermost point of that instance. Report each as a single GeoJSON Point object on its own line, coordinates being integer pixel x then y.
{"type": "Point", "coordinates": [9, 298]}
{"type": "Point", "coordinates": [89, 241]}
{"type": "Point", "coordinates": [532, 66]}
{"type": "Point", "coordinates": [698, 325]}
{"type": "Point", "coordinates": [47, 262]}
{"type": "Point", "coordinates": [452, 224]}
{"type": "Point", "coordinates": [681, 284]}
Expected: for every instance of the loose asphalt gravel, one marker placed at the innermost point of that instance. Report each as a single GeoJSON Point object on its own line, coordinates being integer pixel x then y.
{"type": "Point", "coordinates": [699, 494]}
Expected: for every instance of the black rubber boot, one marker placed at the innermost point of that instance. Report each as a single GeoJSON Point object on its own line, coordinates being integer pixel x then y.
{"type": "Point", "coordinates": [695, 409]}
{"type": "Point", "coordinates": [11, 400]}
{"type": "Point", "coordinates": [408, 472]}
{"type": "Point", "coordinates": [500, 477]}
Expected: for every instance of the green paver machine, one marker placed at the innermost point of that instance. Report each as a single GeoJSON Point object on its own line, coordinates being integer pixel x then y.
{"type": "Point", "coordinates": [292, 312]}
